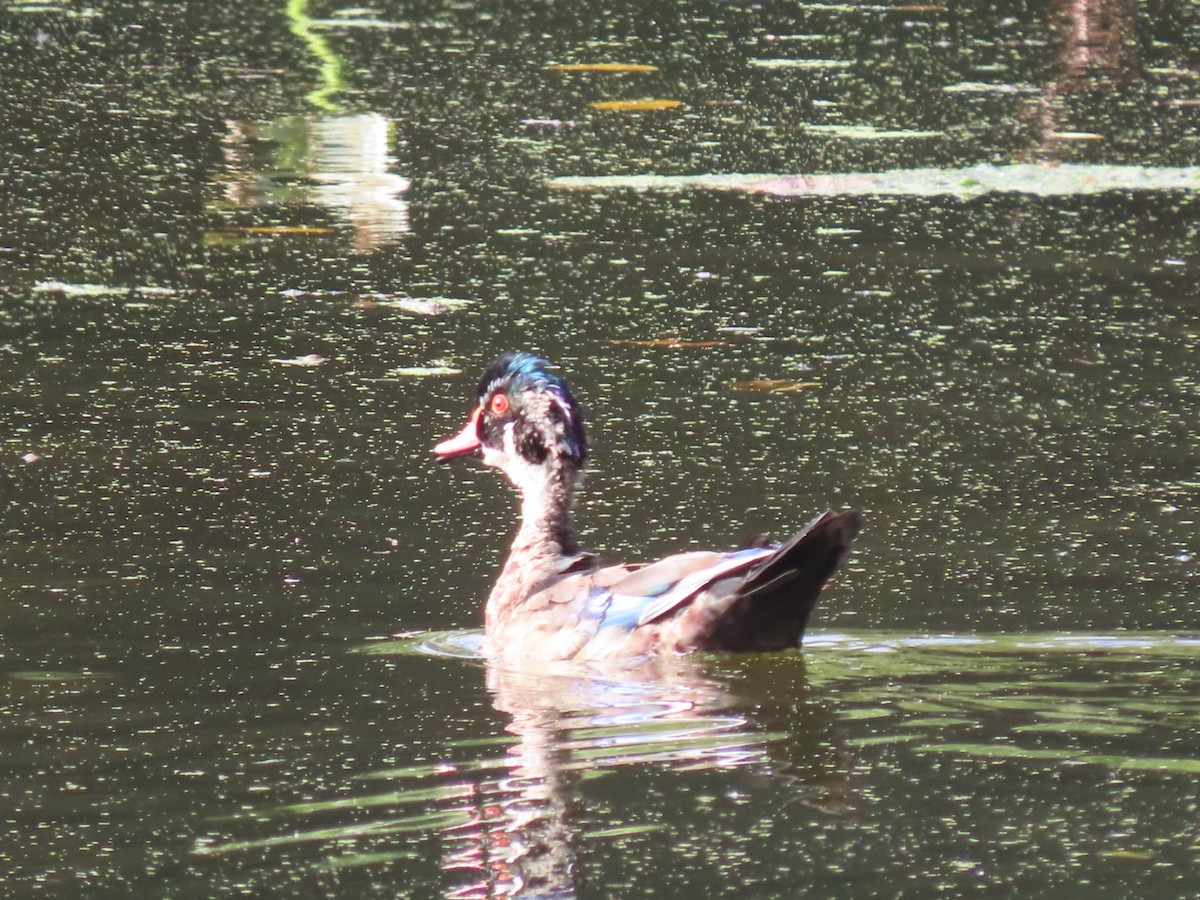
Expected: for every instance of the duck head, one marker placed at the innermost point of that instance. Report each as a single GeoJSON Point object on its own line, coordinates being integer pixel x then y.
{"type": "Point", "coordinates": [526, 423]}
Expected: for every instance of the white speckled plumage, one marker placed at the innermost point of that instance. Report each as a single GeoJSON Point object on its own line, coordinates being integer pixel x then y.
{"type": "Point", "coordinates": [552, 601]}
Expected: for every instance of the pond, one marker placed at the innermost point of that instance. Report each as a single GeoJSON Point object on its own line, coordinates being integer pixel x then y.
{"type": "Point", "coordinates": [937, 264]}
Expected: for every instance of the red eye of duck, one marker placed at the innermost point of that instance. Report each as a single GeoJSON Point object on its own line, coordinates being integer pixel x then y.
{"type": "Point", "coordinates": [499, 405]}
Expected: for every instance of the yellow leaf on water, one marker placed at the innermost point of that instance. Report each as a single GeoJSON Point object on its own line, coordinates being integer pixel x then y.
{"type": "Point", "coordinates": [635, 105]}
{"type": "Point", "coordinates": [1128, 854]}
{"type": "Point", "coordinates": [1075, 136]}
{"type": "Point", "coordinates": [774, 385]}
{"type": "Point", "coordinates": [600, 67]}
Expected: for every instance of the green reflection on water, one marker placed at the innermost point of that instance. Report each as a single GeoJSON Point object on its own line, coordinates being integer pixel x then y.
{"type": "Point", "coordinates": [1000, 751]}
{"type": "Point", "coordinates": [1079, 727]}
{"type": "Point", "coordinates": [330, 63]}
{"type": "Point", "coordinates": [1028, 701]}
{"type": "Point", "coordinates": [1021, 697]}
{"type": "Point", "coordinates": [432, 820]}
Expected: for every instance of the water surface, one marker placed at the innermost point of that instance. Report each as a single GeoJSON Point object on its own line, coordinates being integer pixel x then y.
{"type": "Point", "coordinates": [935, 263]}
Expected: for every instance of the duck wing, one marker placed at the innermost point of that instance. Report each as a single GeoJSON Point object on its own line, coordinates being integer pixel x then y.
{"type": "Point", "coordinates": [677, 580]}
{"type": "Point", "coordinates": [756, 598]}
{"type": "Point", "coordinates": [768, 607]}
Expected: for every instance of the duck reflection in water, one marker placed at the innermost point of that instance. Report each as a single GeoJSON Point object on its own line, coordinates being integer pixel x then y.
{"type": "Point", "coordinates": [524, 830]}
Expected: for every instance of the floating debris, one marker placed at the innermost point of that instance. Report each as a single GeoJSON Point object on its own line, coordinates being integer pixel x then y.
{"type": "Point", "coordinates": [436, 368]}
{"type": "Point", "coordinates": [664, 342]}
{"type": "Point", "coordinates": [635, 105]}
{"type": "Point", "coordinates": [820, 38]}
{"type": "Point", "coordinates": [802, 63]}
{"type": "Point", "coordinates": [549, 123]}
{"type": "Point", "coordinates": [312, 359]}
{"type": "Point", "coordinates": [281, 229]}
{"type": "Point", "coordinates": [870, 8]}
{"type": "Point", "coordinates": [773, 385]}
{"type": "Point", "coordinates": [429, 306]}
{"type": "Point", "coordinates": [1039, 179]}
{"type": "Point", "coordinates": [982, 87]}
{"type": "Point", "coordinates": [1075, 136]}
{"type": "Point", "coordinates": [870, 133]}
{"type": "Point", "coordinates": [98, 290]}
{"type": "Point", "coordinates": [601, 834]}
{"type": "Point", "coordinates": [250, 70]}
{"type": "Point", "coordinates": [600, 67]}
{"type": "Point", "coordinates": [1129, 854]}
{"type": "Point", "coordinates": [379, 24]}
{"type": "Point", "coordinates": [77, 290]}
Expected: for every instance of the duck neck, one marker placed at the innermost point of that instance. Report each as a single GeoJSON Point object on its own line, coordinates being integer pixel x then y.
{"type": "Point", "coordinates": [545, 537]}
{"type": "Point", "coordinates": [546, 527]}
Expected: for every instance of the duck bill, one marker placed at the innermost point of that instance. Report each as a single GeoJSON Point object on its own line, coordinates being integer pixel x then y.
{"type": "Point", "coordinates": [465, 443]}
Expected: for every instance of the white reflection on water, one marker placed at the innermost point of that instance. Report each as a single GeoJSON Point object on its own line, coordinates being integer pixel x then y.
{"type": "Point", "coordinates": [509, 810]}
{"type": "Point", "coordinates": [342, 163]}
{"type": "Point", "coordinates": [350, 163]}
{"type": "Point", "coordinates": [571, 724]}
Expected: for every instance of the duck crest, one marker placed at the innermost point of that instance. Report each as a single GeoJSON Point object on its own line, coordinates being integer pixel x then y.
{"type": "Point", "coordinates": [548, 403]}
{"type": "Point", "coordinates": [551, 601]}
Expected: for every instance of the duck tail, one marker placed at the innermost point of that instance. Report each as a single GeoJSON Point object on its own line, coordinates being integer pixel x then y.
{"type": "Point", "coordinates": [770, 608]}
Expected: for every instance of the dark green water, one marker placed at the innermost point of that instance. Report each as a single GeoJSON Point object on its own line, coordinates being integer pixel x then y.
{"type": "Point", "coordinates": [936, 263]}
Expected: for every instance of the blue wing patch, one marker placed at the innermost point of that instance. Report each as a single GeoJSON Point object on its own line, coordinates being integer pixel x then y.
{"type": "Point", "coordinates": [612, 610]}
{"type": "Point", "coordinates": [687, 587]}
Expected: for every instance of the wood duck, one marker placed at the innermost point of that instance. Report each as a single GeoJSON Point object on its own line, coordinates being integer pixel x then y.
{"type": "Point", "coordinates": [554, 601]}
